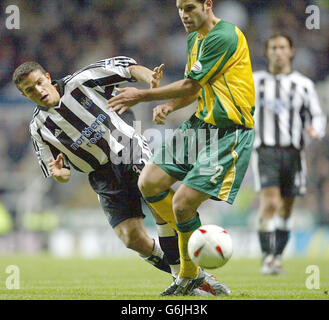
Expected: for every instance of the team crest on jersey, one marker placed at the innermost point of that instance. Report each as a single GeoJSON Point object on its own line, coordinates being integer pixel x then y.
{"type": "Point", "coordinates": [197, 67]}
{"type": "Point", "coordinates": [86, 102]}
{"type": "Point", "coordinates": [58, 132]}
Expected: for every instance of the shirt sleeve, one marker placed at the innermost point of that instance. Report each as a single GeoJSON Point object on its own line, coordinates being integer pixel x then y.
{"type": "Point", "coordinates": [120, 65]}
{"type": "Point", "coordinates": [318, 118]}
{"type": "Point", "coordinates": [44, 154]}
{"type": "Point", "coordinates": [106, 72]}
{"type": "Point", "coordinates": [215, 52]}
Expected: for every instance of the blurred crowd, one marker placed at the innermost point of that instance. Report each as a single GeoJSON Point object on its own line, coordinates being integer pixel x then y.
{"type": "Point", "coordinates": [67, 35]}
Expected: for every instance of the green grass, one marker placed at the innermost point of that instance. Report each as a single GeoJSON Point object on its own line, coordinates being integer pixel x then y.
{"type": "Point", "coordinates": [43, 277]}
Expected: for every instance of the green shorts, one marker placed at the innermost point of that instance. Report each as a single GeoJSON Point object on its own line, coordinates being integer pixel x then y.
{"type": "Point", "coordinates": [207, 158]}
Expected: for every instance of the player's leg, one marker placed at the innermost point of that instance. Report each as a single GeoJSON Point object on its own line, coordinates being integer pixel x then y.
{"type": "Point", "coordinates": [269, 203]}
{"type": "Point", "coordinates": [283, 226]}
{"type": "Point", "coordinates": [161, 173]}
{"type": "Point", "coordinates": [168, 240]}
{"type": "Point", "coordinates": [217, 174]}
{"type": "Point", "coordinates": [292, 183]}
{"type": "Point", "coordinates": [154, 184]}
{"type": "Point", "coordinates": [266, 167]}
{"type": "Point", "coordinates": [134, 236]}
{"type": "Point", "coordinates": [185, 204]}
{"type": "Point", "coordinates": [282, 232]}
{"type": "Point", "coordinates": [120, 199]}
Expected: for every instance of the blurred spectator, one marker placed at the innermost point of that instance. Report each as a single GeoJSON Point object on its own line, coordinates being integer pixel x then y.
{"type": "Point", "coordinates": [77, 32]}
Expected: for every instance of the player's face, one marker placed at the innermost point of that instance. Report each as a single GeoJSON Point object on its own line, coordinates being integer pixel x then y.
{"type": "Point", "coordinates": [192, 14]}
{"type": "Point", "coordinates": [37, 87]}
{"type": "Point", "coordinates": [279, 52]}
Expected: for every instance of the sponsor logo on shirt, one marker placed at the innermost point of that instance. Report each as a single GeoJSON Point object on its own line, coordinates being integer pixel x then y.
{"type": "Point", "coordinates": [58, 132]}
{"type": "Point", "coordinates": [197, 67]}
{"type": "Point", "coordinates": [86, 102]}
{"type": "Point", "coordinates": [90, 134]}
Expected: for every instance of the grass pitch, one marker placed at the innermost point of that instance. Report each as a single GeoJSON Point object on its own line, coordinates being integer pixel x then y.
{"type": "Point", "coordinates": [46, 278]}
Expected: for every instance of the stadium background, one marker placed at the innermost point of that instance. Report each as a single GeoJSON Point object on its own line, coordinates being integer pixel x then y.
{"type": "Point", "coordinates": [65, 219]}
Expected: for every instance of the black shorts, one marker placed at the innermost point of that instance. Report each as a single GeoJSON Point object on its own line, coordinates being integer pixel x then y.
{"type": "Point", "coordinates": [117, 190]}
{"type": "Point", "coordinates": [281, 167]}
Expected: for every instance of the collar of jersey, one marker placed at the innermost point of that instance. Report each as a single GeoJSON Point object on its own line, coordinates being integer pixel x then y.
{"type": "Point", "coordinates": [201, 36]}
{"type": "Point", "coordinates": [280, 74]}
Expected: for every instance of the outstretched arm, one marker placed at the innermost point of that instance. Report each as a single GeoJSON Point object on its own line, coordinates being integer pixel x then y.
{"type": "Point", "coordinates": [161, 111]}
{"type": "Point", "coordinates": [131, 96]}
{"type": "Point", "coordinates": [143, 74]}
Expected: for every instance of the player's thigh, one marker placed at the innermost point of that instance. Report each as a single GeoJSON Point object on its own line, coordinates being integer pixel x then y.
{"type": "Point", "coordinates": [220, 172]}
{"type": "Point", "coordinates": [292, 176]}
{"type": "Point", "coordinates": [266, 167]}
{"type": "Point", "coordinates": [174, 155]}
{"type": "Point", "coordinates": [153, 180]}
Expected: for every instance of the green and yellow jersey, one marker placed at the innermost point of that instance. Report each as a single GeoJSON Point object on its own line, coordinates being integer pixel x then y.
{"type": "Point", "coordinates": [220, 62]}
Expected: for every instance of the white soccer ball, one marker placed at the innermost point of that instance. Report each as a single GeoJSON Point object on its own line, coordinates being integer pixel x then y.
{"type": "Point", "coordinates": [210, 247]}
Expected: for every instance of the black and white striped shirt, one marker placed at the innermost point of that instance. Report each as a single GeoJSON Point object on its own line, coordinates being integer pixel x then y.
{"type": "Point", "coordinates": [80, 126]}
{"type": "Point", "coordinates": [285, 105]}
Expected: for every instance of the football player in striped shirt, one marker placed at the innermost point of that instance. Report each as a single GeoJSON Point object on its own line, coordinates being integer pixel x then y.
{"type": "Point", "coordinates": [71, 127]}
{"type": "Point", "coordinates": [219, 76]}
{"type": "Point", "coordinates": [287, 108]}
{"type": "Point", "coordinates": [54, 130]}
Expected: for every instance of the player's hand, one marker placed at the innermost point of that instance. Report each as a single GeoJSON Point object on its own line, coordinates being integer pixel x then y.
{"type": "Point", "coordinates": [157, 76]}
{"type": "Point", "coordinates": [161, 112]}
{"type": "Point", "coordinates": [127, 98]}
{"type": "Point", "coordinates": [56, 166]}
{"type": "Point", "coordinates": [312, 132]}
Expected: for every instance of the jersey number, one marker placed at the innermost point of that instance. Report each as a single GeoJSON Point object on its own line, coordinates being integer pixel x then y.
{"type": "Point", "coordinates": [219, 169]}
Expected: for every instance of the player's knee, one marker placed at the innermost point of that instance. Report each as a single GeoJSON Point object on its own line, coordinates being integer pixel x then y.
{"type": "Point", "coordinates": [135, 241]}
{"type": "Point", "coordinates": [144, 185]}
{"type": "Point", "coordinates": [181, 205]}
{"type": "Point", "coordinates": [269, 207]}
{"type": "Point", "coordinates": [148, 186]}
{"type": "Point", "coordinates": [153, 180]}
{"type": "Point", "coordinates": [131, 243]}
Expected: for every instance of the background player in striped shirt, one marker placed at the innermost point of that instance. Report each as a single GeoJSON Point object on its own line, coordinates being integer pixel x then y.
{"type": "Point", "coordinates": [287, 107]}
{"type": "Point", "coordinates": [219, 75]}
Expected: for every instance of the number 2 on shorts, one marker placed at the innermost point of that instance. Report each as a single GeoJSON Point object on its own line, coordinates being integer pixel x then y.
{"type": "Point", "coordinates": [219, 169]}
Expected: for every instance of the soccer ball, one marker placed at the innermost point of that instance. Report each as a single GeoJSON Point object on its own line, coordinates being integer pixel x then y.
{"type": "Point", "coordinates": [210, 247]}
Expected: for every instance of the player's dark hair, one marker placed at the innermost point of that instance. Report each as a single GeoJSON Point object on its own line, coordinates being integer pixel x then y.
{"type": "Point", "coordinates": [278, 35]}
{"type": "Point", "coordinates": [25, 69]}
